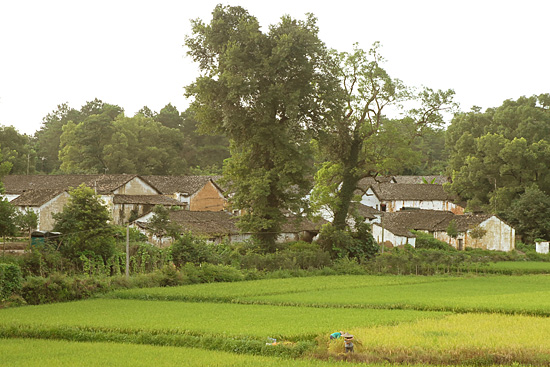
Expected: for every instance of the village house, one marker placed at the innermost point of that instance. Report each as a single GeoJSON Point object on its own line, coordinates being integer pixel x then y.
{"type": "Point", "coordinates": [221, 226]}
{"type": "Point", "coordinates": [395, 229]}
{"type": "Point", "coordinates": [124, 195]}
{"type": "Point", "coordinates": [195, 193]}
{"type": "Point", "coordinates": [391, 197]}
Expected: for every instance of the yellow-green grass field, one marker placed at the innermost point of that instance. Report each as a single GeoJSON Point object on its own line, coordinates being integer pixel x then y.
{"type": "Point", "coordinates": [225, 292]}
{"type": "Point", "coordinates": [460, 338]}
{"type": "Point", "coordinates": [394, 320]}
{"type": "Point", "coordinates": [213, 319]}
{"type": "Point", "coordinates": [55, 353]}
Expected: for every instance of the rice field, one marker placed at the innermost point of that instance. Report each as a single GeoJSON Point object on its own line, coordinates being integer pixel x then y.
{"type": "Point", "coordinates": [226, 292]}
{"type": "Point", "coordinates": [467, 338]}
{"type": "Point", "coordinates": [56, 353]}
{"type": "Point", "coordinates": [213, 319]}
{"type": "Point", "coordinates": [505, 294]}
{"type": "Point", "coordinates": [484, 321]}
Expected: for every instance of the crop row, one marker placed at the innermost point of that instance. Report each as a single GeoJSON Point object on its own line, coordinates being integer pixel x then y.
{"type": "Point", "coordinates": [199, 319]}
{"type": "Point", "coordinates": [49, 353]}
{"type": "Point", "coordinates": [528, 294]}
{"type": "Point", "coordinates": [503, 294]}
{"type": "Point", "coordinates": [226, 292]}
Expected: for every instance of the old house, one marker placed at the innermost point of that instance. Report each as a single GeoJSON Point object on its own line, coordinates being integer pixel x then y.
{"type": "Point", "coordinates": [220, 226]}
{"type": "Point", "coordinates": [474, 230]}
{"type": "Point", "coordinates": [195, 193]}
{"type": "Point", "coordinates": [44, 203]}
{"type": "Point", "coordinates": [370, 214]}
{"type": "Point", "coordinates": [124, 195]}
{"type": "Point", "coordinates": [391, 197]}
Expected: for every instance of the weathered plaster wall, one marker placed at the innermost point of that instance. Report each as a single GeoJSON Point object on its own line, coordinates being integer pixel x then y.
{"type": "Point", "coordinates": [209, 198]}
{"type": "Point", "coordinates": [123, 212]}
{"type": "Point", "coordinates": [499, 236]}
{"type": "Point", "coordinates": [390, 237]}
{"type": "Point", "coordinates": [55, 205]}
{"type": "Point", "coordinates": [136, 186]}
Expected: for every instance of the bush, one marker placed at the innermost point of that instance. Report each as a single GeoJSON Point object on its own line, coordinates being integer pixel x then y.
{"type": "Point", "coordinates": [61, 288]}
{"type": "Point", "coordinates": [191, 249]}
{"type": "Point", "coordinates": [10, 280]}
{"type": "Point", "coordinates": [357, 244]}
{"type": "Point", "coordinates": [427, 241]}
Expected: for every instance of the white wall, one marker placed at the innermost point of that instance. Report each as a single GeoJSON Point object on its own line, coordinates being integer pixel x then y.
{"type": "Point", "coordinates": [390, 237]}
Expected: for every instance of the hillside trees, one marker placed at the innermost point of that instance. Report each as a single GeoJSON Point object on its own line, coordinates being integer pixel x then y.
{"type": "Point", "coordinates": [17, 150]}
{"type": "Point", "coordinates": [48, 138]}
{"type": "Point", "coordinates": [362, 142]}
{"type": "Point", "coordinates": [111, 142]}
{"type": "Point", "coordinates": [206, 152]}
{"type": "Point", "coordinates": [262, 90]}
{"type": "Point", "coordinates": [495, 155]}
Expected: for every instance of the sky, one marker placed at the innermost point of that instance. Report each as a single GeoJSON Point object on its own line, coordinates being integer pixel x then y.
{"type": "Point", "coordinates": [132, 54]}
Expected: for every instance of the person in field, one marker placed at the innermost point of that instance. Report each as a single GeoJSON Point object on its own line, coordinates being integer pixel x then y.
{"type": "Point", "coordinates": [336, 335]}
{"type": "Point", "coordinates": [348, 342]}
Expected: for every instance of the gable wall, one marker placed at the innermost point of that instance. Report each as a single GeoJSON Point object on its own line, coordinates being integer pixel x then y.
{"type": "Point", "coordinates": [369, 199]}
{"type": "Point", "coordinates": [136, 186]}
{"type": "Point", "coordinates": [45, 219]}
{"type": "Point", "coordinates": [500, 236]}
{"type": "Point", "coordinates": [385, 236]}
{"type": "Point", "coordinates": [10, 197]}
{"type": "Point", "coordinates": [208, 198]}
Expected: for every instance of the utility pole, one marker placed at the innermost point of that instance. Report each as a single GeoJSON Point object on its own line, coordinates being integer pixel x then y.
{"type": "Point", "coordinates": [128, 251]}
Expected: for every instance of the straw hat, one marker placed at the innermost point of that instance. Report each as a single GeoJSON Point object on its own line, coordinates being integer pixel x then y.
{"type": "Point", "coordinates": [347, 335]}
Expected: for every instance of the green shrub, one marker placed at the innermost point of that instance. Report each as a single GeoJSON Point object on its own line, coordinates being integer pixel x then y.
{"type": "Point", "coordinates": [358, 243]}
{"type": "Point", "coordinates": [427, 241]}
{"type": "Point", "coordinates": [190, 249]}
{"type": "Point", "coordinates": [10, 280]}
{"type": "Point", "coordinates": [61, 288]}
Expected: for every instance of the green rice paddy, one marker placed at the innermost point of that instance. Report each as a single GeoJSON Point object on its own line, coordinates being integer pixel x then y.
{"type": "Point", "coordinates": [485, 320]}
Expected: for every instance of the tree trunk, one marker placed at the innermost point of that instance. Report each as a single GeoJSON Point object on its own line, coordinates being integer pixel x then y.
{"type": "Point", "coordinates": [349, 184]}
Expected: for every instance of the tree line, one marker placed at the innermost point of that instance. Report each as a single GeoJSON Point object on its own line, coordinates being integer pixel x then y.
{"type": "Point", "coordinates": [100, 138]}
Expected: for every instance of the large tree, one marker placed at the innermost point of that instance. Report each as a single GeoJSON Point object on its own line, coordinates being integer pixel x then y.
{"type": "Point", "coordinates": [262, 90]}
{"type": "Point", "coordinates": [362, 142]}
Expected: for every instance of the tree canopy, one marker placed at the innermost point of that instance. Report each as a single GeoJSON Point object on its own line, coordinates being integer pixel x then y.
{"type": "Point", "coordinates": [84, 224]}
{"type": "Point", "coordinates": [361, 141]}
{"type": "Point", "coordinates": [262, 90]}
{"type": "Point", "coordinates": [495, 155]}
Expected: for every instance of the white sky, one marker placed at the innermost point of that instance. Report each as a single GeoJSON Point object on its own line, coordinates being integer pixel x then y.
{"type": "Point", "coordinates": [131, 53]}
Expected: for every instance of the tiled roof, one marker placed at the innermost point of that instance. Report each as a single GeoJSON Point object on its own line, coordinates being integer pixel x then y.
{"type": "Point", "coordinates": [400, 223]}
{"type": "Point", "coordinates": [439, 180]}
{"type": "Point", "coordinates": [205, 223]}
{"type": "Point", "coordinates": [222, 223]}
{"type": "Point", "coordinates": [367, 182]}
{"type": "Point", "coordinates": [421, 192]}
{"type": "Point", "coordinates": [145, 199]}
{"type": "Point", "coordinates": [104, 184]}
{"type": "Point", "coordinates": [179, 184]}
{"type": "Point", "coordinates": [366, 211]}
{"type": "Point", "coordinates": [35, 197]}
{"type": "Point", "coordinates": [293, 226]}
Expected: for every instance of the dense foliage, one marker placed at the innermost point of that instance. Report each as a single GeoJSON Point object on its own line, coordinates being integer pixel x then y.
{"type": "Point", "coordinates": [84, 224]}
{"type": "Point", "coordinates": [262, 90]}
